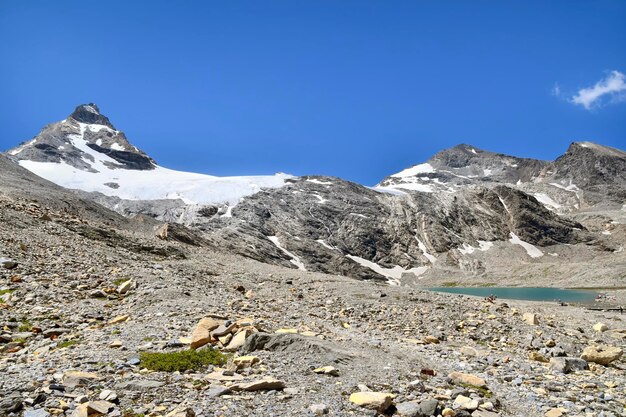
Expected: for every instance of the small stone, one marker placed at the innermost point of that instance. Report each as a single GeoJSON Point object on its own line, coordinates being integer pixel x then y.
{"type": "Point", "coordinates": [139, 385]}
{"type": "Point", "coordinates": [379, 401]}
{"type": "Point", "coordinates": [468, 351]}
{"type": "Point", "coordinates": [101, 407]}
{"type": "Point", "coordinates": [223, 330]}
{"type": "Point", "coordinates": [216, 391]}
{"type": "Point", "coordinates": [245, 361]}
{"type": "Point", "coordinates": [319, 409]}
{"type": "Point", "coordinates": [465, 403]}
{"type": "Point", "coordinates": [530, 318]}
{"type": "Point", "coordinates": [8, 263]}
{"type": "Point", "coordinates": [431, 339]}
{"type": "Point", "coordinates": [327, 370]}
{"type": "Point", "coordinates": [57, 331]}
{"type": "Point", "coordinates": [601, 354]}
{"type": "Point", "coordinates": [202, 333]}
{"type": "Point", "coordinates": [125, 286]}
{"type": "Point", "coordinates": [181, 412]}
{"type": "Point", "coordinates": [108, 395]}
{"type": "Point", "coordinates": [461, 378]}
{"type": "Point", "coordinates": [119, 319]}
{"type": "Point", "coordinates": [79, 379]}
{"type": "Point", "coordinates": [556, 412]}
{"type": "Point", "coordinates": [536, 356]}
{"type": "Point", "coordinates": [448, 412]}
{"type": "Point", "coordinates": [600, 327]}
{"type": "Point", "coordinates": [39, 412]}
{"type": "Point", "coordinates": [116, 344]}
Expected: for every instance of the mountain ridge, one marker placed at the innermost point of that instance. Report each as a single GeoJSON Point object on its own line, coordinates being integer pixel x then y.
{"type": "Point", "coordinates": [458, 214]}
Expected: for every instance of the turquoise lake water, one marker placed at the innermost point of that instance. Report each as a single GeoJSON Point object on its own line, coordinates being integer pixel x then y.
{"type": "Point", "coordinates": [524, 293]}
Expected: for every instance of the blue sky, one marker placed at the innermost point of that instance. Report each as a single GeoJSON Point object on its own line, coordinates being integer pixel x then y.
{"type": "Point", "coordinates": [356, 89]}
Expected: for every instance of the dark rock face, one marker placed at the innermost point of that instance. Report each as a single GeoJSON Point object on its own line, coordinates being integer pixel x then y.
{"type": "Point", "coordinates": [127, 160]}
{"type": "Point", "coordinates": [90, 114]}
{"type": "Point", "coordinates": [598, 170]}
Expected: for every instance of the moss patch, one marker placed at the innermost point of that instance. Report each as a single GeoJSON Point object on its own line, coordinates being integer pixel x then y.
{"type": "Point", "coordinates": [182, 361]}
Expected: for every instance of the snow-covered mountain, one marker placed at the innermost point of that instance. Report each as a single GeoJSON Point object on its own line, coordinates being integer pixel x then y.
{"type": "Point", "coordinates": [595, 171]}
{"type": "Point", "coordinates": [465, 212]}
{"type": "Point", "coordinates": [86, 152]}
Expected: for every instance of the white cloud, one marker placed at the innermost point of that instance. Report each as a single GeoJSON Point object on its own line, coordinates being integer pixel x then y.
{"type": "Point", "coordinates": [611, 88]}
{"type": "Point", "coordinates": [556, 90]}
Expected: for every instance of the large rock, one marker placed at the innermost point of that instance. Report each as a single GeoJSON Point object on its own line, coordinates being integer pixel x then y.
{"type": "Point", "coordinates": [202, 333]}
{"type": "Point", "coordinates": [467, 379]}
{"type": "Point", "coordinates": [567, 365]}
{"type": "Point", "coordinates": [79, 379]}
{"type": "Point", "coordinates": [601, 354]}
{"type": "Point", "coordinates": [265, 384]}
{"type": "Point", "coordinates": [530, 318]}
{"type": "Point", "coordinates": [424, 408]}
{"type": "Point", "coordinates": [379, 401]}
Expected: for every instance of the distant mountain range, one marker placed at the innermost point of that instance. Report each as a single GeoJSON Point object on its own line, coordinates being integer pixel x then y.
{"type": "Point", "coordinates": [465, 214]}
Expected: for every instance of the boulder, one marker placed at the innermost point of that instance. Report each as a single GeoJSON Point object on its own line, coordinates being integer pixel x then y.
{"type": "Point", "coordinates": [567, 365]}
{"type": "Point", "coordinates": [202, 333]}
{"type": "Point", "coordinates": [600, 327]}
{"type": "Point", "coordinates": [465, 403]}
{"type": "Point", "coordinates": [265, 384]}
{"type": "Point", "coordinates": [79, 379]}
{"type": "Point", "coordinates": [468, 379]}
{"type": "Point", "coordinates": [379, 401]}
{"type": "Point", "coordinates": [530, 318]}
{"type": "Point", "coordinates": [601, 354]}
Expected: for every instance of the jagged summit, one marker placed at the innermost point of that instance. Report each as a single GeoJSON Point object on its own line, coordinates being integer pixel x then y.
{"type": "Point", "coordinates": [90, 114]}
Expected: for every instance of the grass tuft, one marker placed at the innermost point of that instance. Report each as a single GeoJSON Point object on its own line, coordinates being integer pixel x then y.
{"type": "Point", "coordinates": [183, 360]}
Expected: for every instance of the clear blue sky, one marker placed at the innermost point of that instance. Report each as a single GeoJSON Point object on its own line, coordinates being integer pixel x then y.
{"type": "Point", "coordinates": [353, 89]}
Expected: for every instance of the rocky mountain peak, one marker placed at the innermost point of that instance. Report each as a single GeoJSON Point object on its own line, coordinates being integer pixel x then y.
{"type": "Point", "coordinates": [594, 148]}
{"type": "Point", "coordinates": [90, 114]}
{"type": "Point", "coordinates": [87, 141]}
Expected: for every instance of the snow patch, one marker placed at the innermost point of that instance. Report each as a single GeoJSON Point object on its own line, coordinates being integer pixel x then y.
{"type": "Point", "coordinates": [531, 250]}
{"type": "Point", "coordinates": [326, 245]}
{"type": "Point", "coordinates": [321, 199]}
{"type": "Point", "coordinates": [484, 245]}
{"type": "Point", "coordinates": [472, 150]}
{"type": "Point", "coordinates": [417, 169]}
{"type": "Point", "coordinates": [393, 274]}
{"type": "Point", "coordinates": [411, 186]}
{"type": "Point", "coordinates": [466, 249]}
{"type": "Point", "coordinates": [117, 147]}
{"type": "Point", "coordinates": [424, 250]}
{"type": "Point", "coordinates": [314, 181]}
{"type": "Point", "coordinates": [294, 259]}
{"type": "Point", "coordinates": [487, 172]}
{"type": "Point", "coordinates": [545, 199]}
{"type": "Point", "coordinates": [96, 128]}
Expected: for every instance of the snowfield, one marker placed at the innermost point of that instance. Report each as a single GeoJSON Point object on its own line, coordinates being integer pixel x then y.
{"type": "Point", "coordinates": [158, 183]}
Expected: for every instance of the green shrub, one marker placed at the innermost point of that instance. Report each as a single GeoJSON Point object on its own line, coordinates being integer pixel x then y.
{"type": "Point", "coordinates": [25, 326]}
{"type": "Point", "coordinates": [182, 360]}
{"type": "Point", "coordinates": [67, 343]}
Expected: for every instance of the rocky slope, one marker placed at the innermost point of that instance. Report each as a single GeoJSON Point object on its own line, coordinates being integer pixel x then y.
{"type": "Point", "coordinates": [465, 215]}
{"type": "Point", "coordinates": [80, 309]}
